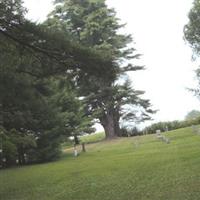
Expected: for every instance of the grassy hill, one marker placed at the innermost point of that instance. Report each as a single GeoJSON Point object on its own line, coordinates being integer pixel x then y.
{"type": "Point", "coordinates": [139, 168]}
{"type": "Point", "coordinates": [96, 137]}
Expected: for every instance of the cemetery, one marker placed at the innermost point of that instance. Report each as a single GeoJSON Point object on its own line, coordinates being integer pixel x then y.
{"type": "Point", "coordinates": [151, 169]}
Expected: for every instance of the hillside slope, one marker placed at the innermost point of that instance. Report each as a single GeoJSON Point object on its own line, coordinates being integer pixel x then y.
{"type": "Point", "coordinates": [138, 168]}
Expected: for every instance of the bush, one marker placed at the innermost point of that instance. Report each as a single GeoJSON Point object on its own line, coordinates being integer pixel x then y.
{"type": "Point", "coordinates": [168, 126]}
{"type": "Point", "coordinates": [125, 132]}
{"type": "Point", "coordinates": [9, 152]}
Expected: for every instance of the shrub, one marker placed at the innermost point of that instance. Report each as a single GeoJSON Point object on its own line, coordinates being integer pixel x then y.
{"type": "Point", "coordinates": [168, 126]}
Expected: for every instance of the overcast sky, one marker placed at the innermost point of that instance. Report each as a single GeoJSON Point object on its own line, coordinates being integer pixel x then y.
{"type": "Point", "coordinates": [157, 29]}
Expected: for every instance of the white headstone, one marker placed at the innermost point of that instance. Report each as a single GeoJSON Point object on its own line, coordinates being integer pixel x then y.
{"type": "Point", "coordinates": [75, 152]}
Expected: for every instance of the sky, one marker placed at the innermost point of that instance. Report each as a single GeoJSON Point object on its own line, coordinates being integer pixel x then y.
{"type": "Point", "coordinates": [157, 30]}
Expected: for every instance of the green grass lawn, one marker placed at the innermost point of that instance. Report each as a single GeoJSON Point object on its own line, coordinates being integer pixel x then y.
{"type": "Point", "coordinates": [139, 168]}
{"type": "Point", "coordinates": [87, 139]}
{"type": "Point", "coordinates": [95, 137]}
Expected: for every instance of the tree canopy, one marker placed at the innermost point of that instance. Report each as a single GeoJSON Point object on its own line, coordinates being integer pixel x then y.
{"type": "Point", "coordinates": [39, 68]}
{"type": "Point", "coordinates": [192, 36]}
{"type": "Point", "coordinates": [95, 25]}
{"type": "Point", "coordinates": [59, 77]}
{"type": "Point", "coordinates": [191, 30]}
{"type": "Point", "coordinates": [192, 115]}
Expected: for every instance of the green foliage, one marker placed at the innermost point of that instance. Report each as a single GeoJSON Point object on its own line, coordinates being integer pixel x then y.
{"type": "Point", "coordinates": [130, 132]}
{"type": "Point", "coordinates": [16, 146]}
{"type": "Point", "coordinates": [191, 30]}
{"type": "Point", "coordinates": [35, 111]}
{"type": "Point", "coordinates": [70, 108]}
{"type": "Point", "coordinates": [48, 149]}
{"type": "Point", "coordinates": [192, 35]}
{"type": "Point", "coordinates": [93, 138]}
{"type": "Point", "coordinates": [95, 25]}
{"type": "Point", "coordinates": [172, 125]}
{"type": "Point", "coordinates": [141, 168]}
{"type": "Point", "coordinates": [192, 115]}
{"type": "Point", "coordinates": [9, 152]}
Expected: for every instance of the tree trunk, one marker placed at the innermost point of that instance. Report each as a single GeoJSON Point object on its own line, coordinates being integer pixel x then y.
{"type": "Point", "coordinates": [83, 147]}
{"type": "Point", "coordinates": [21, 156]}
{"type": "Point", "coordinates": [110, 125]}
{"type": "Point", "coordinates": [23, 159]}
{"type": "Point", "coordinates": [116, 123]}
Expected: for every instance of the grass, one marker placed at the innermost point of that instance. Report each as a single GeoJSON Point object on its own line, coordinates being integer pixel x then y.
{"type": "Point", "coordinates": [95, 137]}
{"type": "Point", "coordinates": [87, 139]}
{"type": "Point", "coordinates": [139, 168]}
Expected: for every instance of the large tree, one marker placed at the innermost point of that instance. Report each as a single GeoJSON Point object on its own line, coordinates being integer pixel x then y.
{"type": "Point", "coordinates": [115, 104]}
{"type": "Point", "coordinates": [192, 35]}
{"type": "Point", "coordinates": [192, 29]}
{"type": "Point", "coordinates": [94, 25]}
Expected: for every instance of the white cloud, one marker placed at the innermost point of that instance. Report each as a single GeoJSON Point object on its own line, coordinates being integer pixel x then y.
{"type": "Point", "coordinates": [157, 27]}
{"type": "Point", "coordinates": [38, 9]}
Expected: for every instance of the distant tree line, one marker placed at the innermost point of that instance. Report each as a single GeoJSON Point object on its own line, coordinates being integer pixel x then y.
{"type": "Point", "coordinates": [171, 125]}
{"type": "Point", "coordinates": [192, 36]}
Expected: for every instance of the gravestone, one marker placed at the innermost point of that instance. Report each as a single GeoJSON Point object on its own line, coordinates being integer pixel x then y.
{"type": "Point", "coordinates": [75, 152]}
{"type": "Point", "coordinates": [162, 137]}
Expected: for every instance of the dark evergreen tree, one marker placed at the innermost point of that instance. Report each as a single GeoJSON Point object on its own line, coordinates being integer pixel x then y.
{"type": "Point", "coordinates": [34, 111]}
